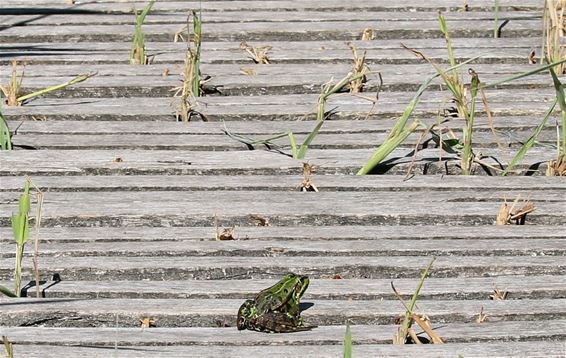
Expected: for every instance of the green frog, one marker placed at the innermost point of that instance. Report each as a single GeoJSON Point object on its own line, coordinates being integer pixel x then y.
{"type": "Point", "coordinates": [276, 309]}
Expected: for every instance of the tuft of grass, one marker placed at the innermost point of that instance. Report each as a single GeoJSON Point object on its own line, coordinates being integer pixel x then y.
{"type": "Point", "coordinates": [509, 215]}
{"type": "Point", "coordinates": [405, 332]}
{"type": "Point", "coordinates": [348, 342]}
{"type": "Point", "coordinates": [13, 90]}
{"type": "Point", "coordinates": [400, 131]}
{"type": "Point", "coordinates": [553, 31]}
{"type": "Point", "coordinates": [257, 54]}
{"type": "Point", "coordinates": [192, 83]}
{"type": "Point", "coordinates": [137, 52]}
{"type": "Point", "coordinates": [328, 89]}
{"type": "Point", "coordinates": [368, 34]}
{"type": "Point", "coordinates": [299, 152]}
{"type": "Point", "coordinates": [561, 136]}
{"type": "Point", "coordinates": [20, 228]}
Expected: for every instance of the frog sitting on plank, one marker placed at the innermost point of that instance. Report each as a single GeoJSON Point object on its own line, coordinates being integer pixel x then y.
{"type": "Point", "coordinates": [276, 309]}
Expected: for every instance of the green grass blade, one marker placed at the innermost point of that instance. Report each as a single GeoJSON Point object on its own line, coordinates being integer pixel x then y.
{"type": "Point", "coordinates": [386, 148]}
{"type": "Point", "coordinates": [417, 97]}
{"type": "Point", "coordinates": [496, 22]}
{"type": "Point", "coordinates": [562, 102]}
{"type": "Point", "coordinates": [293, 142]}
{"type": "Point", "coordinates": [348, 342]}
{"type": "Point", "coordinates": [5, 137]}
{"type": "Point", "coordinates": [74, 81]}
{"type": "Point", "coordinates": [305, 146]}
{"type": "Point", "coordinates": [444, 30]}
{"type": "Point", "coordinates": [531, 141]}
{"type": "Point", "coordinates": [7, 292]}
{"type": "Point", "coordinates": [406, 321]}
{"type": "Point", "coordinates": [524, 74]}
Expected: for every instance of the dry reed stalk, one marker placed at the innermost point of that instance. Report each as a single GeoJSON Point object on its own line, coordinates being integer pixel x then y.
{"type": "Point", "coordinates": [359, 69]}
{"type": "Point", "coordinates": [553, 27]}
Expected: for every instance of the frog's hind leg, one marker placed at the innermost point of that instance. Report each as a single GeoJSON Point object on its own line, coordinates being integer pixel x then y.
{"type": "Point", "coordinates": [246, 314]}
{"type": "Point", "coordinates": [276, 322]}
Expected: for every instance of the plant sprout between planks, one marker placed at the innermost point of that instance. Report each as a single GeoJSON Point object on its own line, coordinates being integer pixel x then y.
{"type": "Point", "coordinates": [13, 90]}
{"type": "Point", "coordinates": [137, 52]}
{"type": "Point", "coordinates": [21, 231]}
{"type": "Point", "coordinates": [192, 83]}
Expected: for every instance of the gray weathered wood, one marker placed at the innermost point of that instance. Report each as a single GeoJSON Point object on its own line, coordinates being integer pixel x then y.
{"type": "Point", "coordinates": [472, 288]}
{"type": "Point", "coordinates": [190, 313]}
{"type": "Point", "coordinates": [499, 349]}
{"type": "Point", "coordinates": [205, 336]}
{"type": "Point", "coordinates": [241, 267]}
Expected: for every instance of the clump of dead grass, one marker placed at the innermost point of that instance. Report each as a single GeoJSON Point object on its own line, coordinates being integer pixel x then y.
{"type": "Point", "coordinates": [13, 91]}
{"type": "Point", "coordinates": [553, 27]}
{"type": "Point", "coordinates": [223, 234]}
{"type": "Point", "coordinates": [512, 215]}
{"type": "Point", "coordinates": [258, 54]}
{"type": "Point", "coordinates": [359, 70]}
{"type": "Point", "coordinates": [306, 184]}
{"type": "Point", "coordinates": [405, 333]}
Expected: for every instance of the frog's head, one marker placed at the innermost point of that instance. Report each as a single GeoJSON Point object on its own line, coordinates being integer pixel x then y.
{"type": "Point", "coordinates": [246, 312]}
{"type": "Point", "coordinates": [292, 287]}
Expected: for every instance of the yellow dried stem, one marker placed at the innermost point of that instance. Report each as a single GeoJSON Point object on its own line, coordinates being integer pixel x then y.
{"type": "Point", "coordinates": [424, 322]}
{"type": "Point", "coordinates": [359, 68]}
{"type": "Point", "coordinates": [307, 185]}
{"type": "Point", "coordinates": [482, 317]}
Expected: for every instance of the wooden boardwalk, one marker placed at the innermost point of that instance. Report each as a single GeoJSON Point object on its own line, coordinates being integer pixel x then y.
{"type": "Point", "coordinates": [131, 195]}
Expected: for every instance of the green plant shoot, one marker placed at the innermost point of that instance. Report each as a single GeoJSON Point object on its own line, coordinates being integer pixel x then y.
{"type": "Point", "coordinates": [137, 52]}
{"type": "Point", "coordinates": [20, 227]}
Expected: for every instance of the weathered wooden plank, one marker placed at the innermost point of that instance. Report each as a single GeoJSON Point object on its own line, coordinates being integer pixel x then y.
{"type": "Point", "coordinates": [369, 128]}
{"type": "Point", "coordinates": [271, 107]}
{"type": "Point", "coordinates": [265, 31]}
{"type": "Point", "coordinates": [246, 15]}
{"type": "Point", "coordinates": [210, 47]}
{"type": "Point", "coordinates": [321, 336]}
{"type": "Point", "coordinates": [261, 248]}
{"type": "Point", "coordinates": [314, 55]}
{"type": "Point", "coordinates": [223, 142]}
{"type": "Point", "coordinates": [274, 233]}
{"type": "Point", "coordinates": [238, 84]}
{"type": "Point", "coordinates": [230, 267]}
{"type": "Point", "coordinates": [207, 313]}
{"type": "Point", "coordinates": [328, 161]}
{"type": "Point", "coordinates": [472, 288]}
{"type": "Point", "coordinates": [124, 6]}
{"type": "Point", "coordinates": [512, 349]}
{"type": "Point", "coordinates": [162, 208]}
{"type": "Point", "coordinates": [428, 184]}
